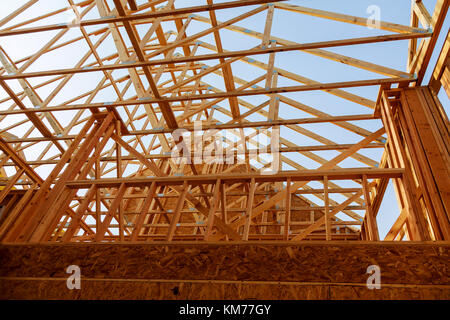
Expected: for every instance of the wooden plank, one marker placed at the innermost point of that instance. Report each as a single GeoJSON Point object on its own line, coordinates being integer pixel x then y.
{"type": "Point", "coordinates": [437, 21]}
{"type": "Point", "coordinates": [111, 213]}
{"type": "Point", "coordinates": [226, 69]}
{"type": "Point", "coordinates": [268, 26]}
{"type": "Point", "coordinates": [422, 13]}
{"type": "Point", "coordinates": [440, 75]}
{"type": "Point", "coordinates": [327, 209]}
{"type": "Point", "coordinates": [212, 212]}
{"type": "Point", "coordinates": [300, 175]}
{"type": "Point", "coordinates": [19, 161]}
{"type": "Point", "coordinates": [321, 220]}
{"type": "Point", "coordinates": [132, 4]}
{"type": "Point", "coordinates": [408, 198]}
{"type": "Point", "coordinates": [75, 222]}
{"type": "Point", "coordinates": [248, 211]}
{"type": "Point", "coordinates": [287, 219]}
{"type": "Point", "coordinates": [433, 155]}
{"type": "Point", "coordinates": [269, 272]}
{"type": "Point", "coordinates": [177, 213]}
{"type": "Point", "coordinates": [370, 217]}
{"type": "Point", "coordinates": [11, 182]}
{"type": "Point", "coordinates": [143, 16]}
{"type": "Point", "coordinates": [12, 217]}
{"type": "Point", "coordinates": [315, 87]}
{"type": "Point", "coordinates": [160, 82]}
{"type": "Point", "coordinates": [144, 210]}
{"type": "Point", "coordinates": [345, 18]}
{"type": "Point", "coordinates": [395, 229]}
{"type": "Point", "coordinates": [228, 54]}
{"type": "Point", "coordinates": [330, 164]}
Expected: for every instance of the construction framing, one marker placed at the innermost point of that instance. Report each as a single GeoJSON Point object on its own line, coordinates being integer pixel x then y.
{"type": "Point", "coordinates": [114, 172]}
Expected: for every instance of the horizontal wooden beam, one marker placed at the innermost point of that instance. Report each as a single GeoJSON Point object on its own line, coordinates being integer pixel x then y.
{"type": "Point", "coordinates": [230, 194]}
{"type": "Point", "coordinates": [137, 17]}
{"type": "Point", "coordinates": [361, 21]}
{"type": "Point", "coordinates": [234, 152]}
{"type": "Point", "coordinates": [306, 175]}
{"type": "Point", "coordinates": [221, 55]}
{"type": "Point", "coordinates": [313, 87]}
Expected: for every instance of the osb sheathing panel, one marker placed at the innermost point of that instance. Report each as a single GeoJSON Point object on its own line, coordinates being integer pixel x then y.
{"type": "Point", "coordinates": [41, 289]}
{"type": "Point", "coordinates": [336, 270]}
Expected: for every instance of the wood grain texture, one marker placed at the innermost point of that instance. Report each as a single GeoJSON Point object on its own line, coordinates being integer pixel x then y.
{"type": "Point", "coordinates": [334, 270]}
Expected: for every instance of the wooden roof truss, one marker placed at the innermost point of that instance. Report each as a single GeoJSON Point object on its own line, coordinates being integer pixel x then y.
{"type": "Point", "coordinates": [108, 173]}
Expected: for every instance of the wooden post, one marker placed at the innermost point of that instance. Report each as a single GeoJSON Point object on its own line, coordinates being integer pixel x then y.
{"type": "Point", "coordinates": [119, 175]}
{"type": "Point", "coordinates": [287, 218]}
{"type": "Point", "coordinates": [327, 209]}
{"type": "Point", "coordinates": [177, 213]}
{"type": "Point", "coordinates": [213, 209]}
{"type": "Point", "coordinates": [370, 218]}
{"type": "Point", "coordinates": [248, 211]}
{"type": "Point", "coordinates": [144, 210]}
{"type": "Point", "coordinates": [97, 196]}
{"type": "Point", "coordinates": [111, 213]}
{"type": "Point", "coordinates": [75, 222]}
